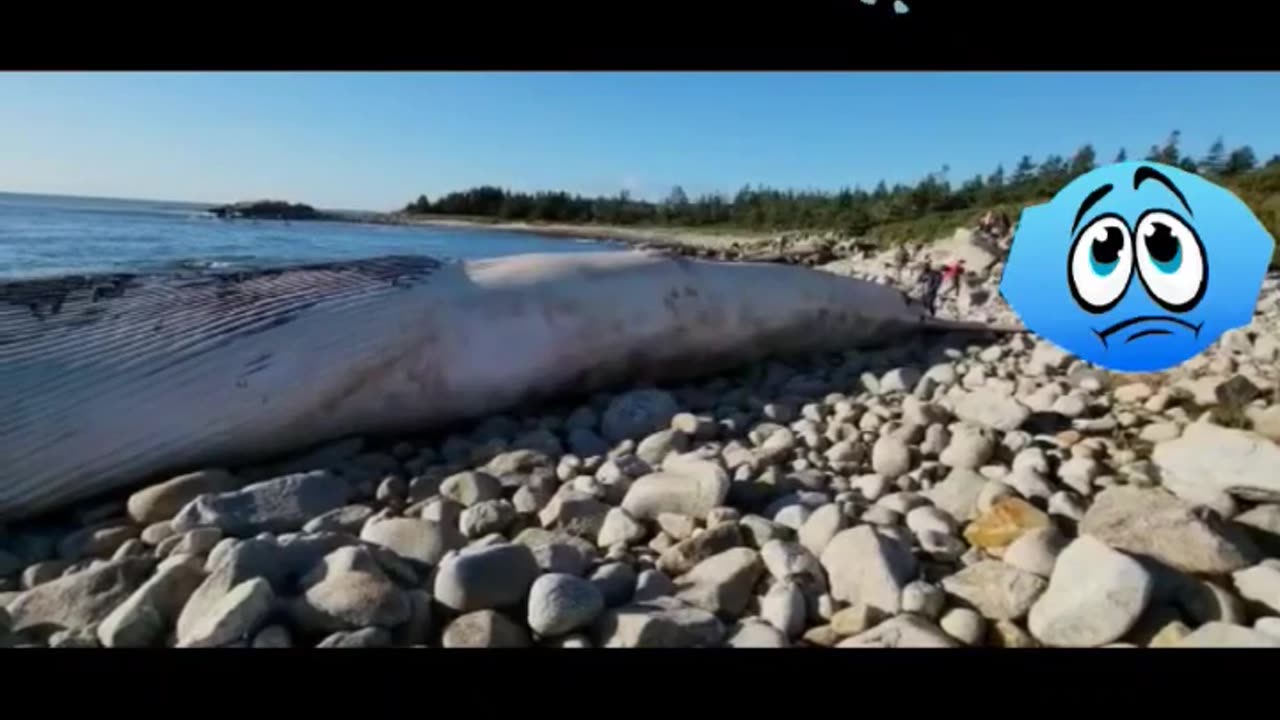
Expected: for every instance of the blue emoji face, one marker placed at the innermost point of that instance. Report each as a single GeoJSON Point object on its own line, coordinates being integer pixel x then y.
{"type": "Point", "coordinates": [1137, 266]}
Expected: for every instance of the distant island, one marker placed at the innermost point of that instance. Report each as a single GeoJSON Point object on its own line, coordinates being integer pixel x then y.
{"type": "Point", "coordinates": [270, 210]}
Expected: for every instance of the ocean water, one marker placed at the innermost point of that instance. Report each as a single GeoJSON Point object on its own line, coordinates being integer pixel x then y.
{"type": "Point", "coordinates": [42, 235]}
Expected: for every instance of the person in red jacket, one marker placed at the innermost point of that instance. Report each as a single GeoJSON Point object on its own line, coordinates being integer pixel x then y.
{"type": "Point", "coordinates": [951, 273]}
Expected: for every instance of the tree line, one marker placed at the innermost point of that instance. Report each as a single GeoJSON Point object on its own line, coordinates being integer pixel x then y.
{"type": "Point", "coordinates": [855, 211]}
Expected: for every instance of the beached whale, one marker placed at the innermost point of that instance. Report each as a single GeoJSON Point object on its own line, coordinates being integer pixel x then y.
{"type": "Point", "coordinates": [106, 382]}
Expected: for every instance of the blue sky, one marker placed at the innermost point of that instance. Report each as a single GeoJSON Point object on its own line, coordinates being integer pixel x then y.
{"type": "Point", "coordinates": [377, 140]}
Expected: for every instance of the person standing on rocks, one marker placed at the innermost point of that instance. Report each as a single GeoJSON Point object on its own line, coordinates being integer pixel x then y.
{"type": "Point", "coordinates": [931, 279]}
{"type": "Point", "coordinates": [951, 277]}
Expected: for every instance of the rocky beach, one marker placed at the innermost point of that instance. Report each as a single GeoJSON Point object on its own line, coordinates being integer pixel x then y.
{"type": "Point", "coordinates": [955, 491]}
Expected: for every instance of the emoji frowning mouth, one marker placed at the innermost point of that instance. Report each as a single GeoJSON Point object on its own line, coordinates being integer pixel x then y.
{"type": "Point", "coordinates": [1145, 319]}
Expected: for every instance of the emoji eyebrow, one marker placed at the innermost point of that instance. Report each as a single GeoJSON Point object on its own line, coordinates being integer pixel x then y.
{"type": "Point", "coordinates": [1089, 202]}
{"type": "Point", "coordinates": [1148, 173]}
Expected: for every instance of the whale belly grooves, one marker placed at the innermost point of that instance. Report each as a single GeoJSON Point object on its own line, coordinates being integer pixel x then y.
{"type": "Point", "coordinates": [109, 381]}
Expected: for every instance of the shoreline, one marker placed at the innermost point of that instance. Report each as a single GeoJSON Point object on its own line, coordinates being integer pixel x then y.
{"type": "Point", "coordinates": [682, 238]}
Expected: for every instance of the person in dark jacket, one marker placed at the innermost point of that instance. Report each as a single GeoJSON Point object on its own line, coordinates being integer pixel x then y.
{"type": "Point", "coordinates": [931, 279]}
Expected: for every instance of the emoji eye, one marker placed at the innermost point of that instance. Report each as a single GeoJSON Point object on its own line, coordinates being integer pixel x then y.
{"type": "Point", "coordinates": [1101, 263]}
{"type": "Point", "coordinates": [1170, 260]}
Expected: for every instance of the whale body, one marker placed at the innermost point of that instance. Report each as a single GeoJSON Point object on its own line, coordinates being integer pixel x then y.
{"type": "Point", "coordinates": [111, 381]}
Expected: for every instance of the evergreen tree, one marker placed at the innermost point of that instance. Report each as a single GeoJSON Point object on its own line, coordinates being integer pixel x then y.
{"type": "Point", "coordinates": [1216, 159]}
{"type": "Point", "coordinates": [1121, 156]}
{"type": "Point", "coordinates": [1241, 160]}
{"type": "Point", "coordinates": [1083, 161]}
{"type": "Point", "coordinates": [1023, 172]}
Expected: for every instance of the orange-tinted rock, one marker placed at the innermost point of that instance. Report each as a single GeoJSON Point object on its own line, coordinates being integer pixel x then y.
{"type": "Point", "coordinates": [1005, 522]}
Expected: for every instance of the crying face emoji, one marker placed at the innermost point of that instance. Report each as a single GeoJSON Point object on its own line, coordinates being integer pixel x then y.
{"type": "Point", "coordinates": [1137, 266]}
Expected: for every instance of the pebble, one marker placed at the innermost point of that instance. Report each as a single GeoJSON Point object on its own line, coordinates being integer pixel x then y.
{"type": "Point", "coordinates": [1066, 505]}
{"type": "Point", "coordinates": [722, 583]}
{"type": "Point", "coordinates": [1078, 474]}
{"type": "Point", "coordinates": [719, 515]}
{"type": "Point", "coordinates": [568, 642]}
{"type": "Point", "coordinates": [991, 493]}
{"type": "Point", "coordinates": [1265, 421]}
{"type": "Point", "coordinates": [348, 590]}
{"type": "Point", "coordinates": [990, 409]}
{"type": "Point", "coordinates": [1226, 635]}
{"type": "Point", "coordinates": [686, 554]}
{"type": "Point", "coordinates": [694, 489]}
{"type": "Point", "coordinates": [755, 634]}
{"type": "Point", "coordinates": [619, 527]}
{"type": "Point", "coordinates": [856, 618]}
{"type": "Point", "coordinates": [995, 589]}
{"type": "Point", "coordinates": [283, 504]}
{"type": "Point", "coordinates": [1008, 519]}
{"type": "Point", "coordinates": [272, 636]}
{"type": "Point", "coordinates": [930, 519]}
{"type": "Point", "coordinates": [637, 413]}
{"type": "Point", "coordinates": [1268, 626]}
{"type": "Point", "coordinates": [679, 527]}
{"type": "Point", "coordinates": [80, 599]}
{"type": "Point", "coordinates": [1152, 522]}
{"type": "Point", "coordinates": [872, 487]}
{"type": "Point", "coordinates": [786, 560]}
{"type": "Point", "coordinates": [1029, 485]}
{"type": "Point", "coordinates": [1236, 462]}
{"type": "Point", "coordinates": [421, 541]}
{"type": "Point", "coordinates": [936, 439]}
{"type": "Point", "coordinates": [900, 380]}
{"type": "Point", "coordinates": [699, 427]}
{"type": "Point", "coordinates": [234, 617]}
{"type": "Point", "coordinates": [152, 610]}
{"type": "Point", "coordinates": [364, 638]}
{"type": "Point", "coordinates": [161, 502]}
{"type": "Point", "coordinates": [654, 448]}
{"type": "Point", "coordinates": [95, 542]}
{"type": "Point", "coordinates": [965, 625]}
{"type": "Point", "coordinates": [784, 607]}
{"type": "Point", "coordinates": [486, 517]}
{"type": "Point", "coordinates": [1133, 393]}
{"type": "Point", "coordinates": [890, 457]}
{"type": "Point", "coordinates": [923, 598]}
{"type": "Point", "coordinates": [1036, 550]}
{"type": "Point", "coordinates": [821, 526]}
{"type": "Point", "coordinates": [559, 604]}
{"type": "Point", "coordinates": [1008, 634]}
{"type": "Point", "coordinates": [392, 490]}
{"type": "Point", "coordinates": [662, 622]}
{"type": "Point", "coordinates": [1260, 584]}
{"type": "Point", "coordinates": [903, 631]}
{"type": "Point", "coordinates": [1160, 432]}
{"type": "Point", "coordinates": [442, 511]}
{"type": "Point", "coordinates": [347, 519]}
{"type": "Point", "coordinates": [792, 516]}
{"type": "Point", "coordinates": [652, 584]}
{"type": "Point", "coordinates": [195, 542]}
{"type": "Point", "coordinates": [1032, 460]}
{"type": "Point", "coordinates": [484, 629]}
{"type": "Point", "coordinates": [1170, 636]}
{"type": "Point", "coordinates": [1094, 596]}
{"type": "Point", "coordinates": [616, 582]}
{"type": "Point", "coordinates": [970, 447]}
{"type": "Point", "coordinates": [492, 577]}
{"type": "Point", "coordinates": [957, 494]}
{"type": "Point", "coordinates": [470, 487]}
{"type": "Point", "coordinates": [864, 566]}
{"type": "Point", "coordinates": [1262, 522]}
